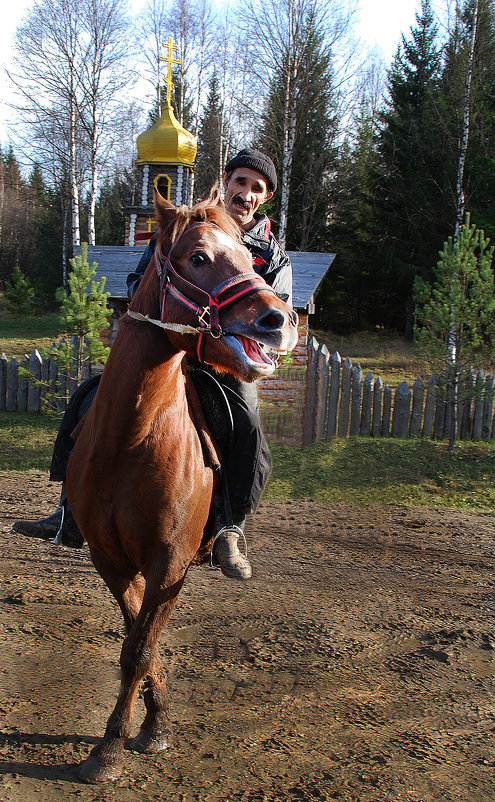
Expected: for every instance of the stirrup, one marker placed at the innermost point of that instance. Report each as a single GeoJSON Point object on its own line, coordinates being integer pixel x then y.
{"type": "Point", "coordinates": [57, 540]}
{"type": "Point", "coordinates": [233, 528]}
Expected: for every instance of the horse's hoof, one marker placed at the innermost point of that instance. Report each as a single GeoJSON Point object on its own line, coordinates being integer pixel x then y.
{"type": "Point", "coordinates": [92, 771]}
{"type": "Point", "coordinates": [151, 744]}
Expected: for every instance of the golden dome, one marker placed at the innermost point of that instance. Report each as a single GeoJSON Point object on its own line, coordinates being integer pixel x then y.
{"type": "Point", "coordinates": [167, 142]}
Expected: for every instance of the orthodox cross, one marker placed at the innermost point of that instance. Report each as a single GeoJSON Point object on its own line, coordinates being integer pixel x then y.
{"type": "Point", "coordinates": [170, 60]}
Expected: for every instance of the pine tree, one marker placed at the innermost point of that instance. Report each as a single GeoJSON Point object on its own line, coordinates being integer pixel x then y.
{"type": "Point", "coordinates": [19, 293]}
{"type": "Point", "coordinates": [116, 193]}
{"type": "Point", "coordinates": [413, 221]}
{"type": "Point", "coordinates": [83, 314]}
{"type": "Point", "coordinates": [43, 263]}
{"type": "Point", "coordinates": [455, 318]}
{"type": "Point", "coordinates": [352, 296]}
{"type": "Point", "coordinates": [208, 162]}
{"type": "Point", "coordinates": [314, 153]}
{"type": "Point", "coordinates": [315, 148]}
{"type": "Point", "coordinates": [479, 174]}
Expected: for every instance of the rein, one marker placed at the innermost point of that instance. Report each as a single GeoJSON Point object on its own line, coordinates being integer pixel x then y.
{"type": "Point", "coordinates": [204, 305]}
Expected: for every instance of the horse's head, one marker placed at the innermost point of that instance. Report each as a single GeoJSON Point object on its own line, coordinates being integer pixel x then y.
{"type": "Point", "coordinates": [208, 283]}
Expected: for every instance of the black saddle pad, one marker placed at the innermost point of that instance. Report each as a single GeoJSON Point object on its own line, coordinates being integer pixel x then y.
{"type": "Point", "coordinates": [79, 403]}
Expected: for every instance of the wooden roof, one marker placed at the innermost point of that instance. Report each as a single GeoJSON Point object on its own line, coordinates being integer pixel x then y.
{"type": "Point", "coordinates": [116, 262]}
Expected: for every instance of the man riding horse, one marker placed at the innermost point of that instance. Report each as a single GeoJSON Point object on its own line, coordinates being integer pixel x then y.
{"type": "Point", "coordinates": [249, 180]}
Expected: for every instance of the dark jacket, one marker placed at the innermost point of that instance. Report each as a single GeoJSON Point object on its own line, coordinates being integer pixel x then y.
{"type": "Point", "coordinates": [269, 260]}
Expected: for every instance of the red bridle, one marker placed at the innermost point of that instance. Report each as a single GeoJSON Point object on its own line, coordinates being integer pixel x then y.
{"type": "Point", "coordinates": [205, 305]}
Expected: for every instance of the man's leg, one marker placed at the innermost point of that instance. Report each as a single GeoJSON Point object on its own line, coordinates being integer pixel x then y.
{"type": "Point", "coordinates": [60, 526]}
{"type": "Point", "coordinates": [61, 523]}
{"type": "Point", "coordinates": [247, 467]}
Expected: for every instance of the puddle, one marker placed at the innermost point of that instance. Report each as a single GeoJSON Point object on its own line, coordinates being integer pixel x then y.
{"type": "Point", "coordinates": [481, 661]}
{"type": "Point", "coordinates": [250, 633]}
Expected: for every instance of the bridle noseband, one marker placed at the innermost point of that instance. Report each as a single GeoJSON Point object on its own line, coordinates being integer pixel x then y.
{"type": "Point", "coordinates": [206, 306]}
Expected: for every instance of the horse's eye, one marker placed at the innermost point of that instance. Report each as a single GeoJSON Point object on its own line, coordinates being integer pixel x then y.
{"type": "Point", "coordinates": [199, 259]}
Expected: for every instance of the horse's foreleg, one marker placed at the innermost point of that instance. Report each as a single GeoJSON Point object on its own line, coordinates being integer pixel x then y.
{"type": "Point", "coordinates": [138, 661]}
{"type": "Point", "coordinates": [155, 733]}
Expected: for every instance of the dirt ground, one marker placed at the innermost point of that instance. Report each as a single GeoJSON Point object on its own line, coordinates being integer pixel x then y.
{"type": "Point", "coordinates": [357, 664]}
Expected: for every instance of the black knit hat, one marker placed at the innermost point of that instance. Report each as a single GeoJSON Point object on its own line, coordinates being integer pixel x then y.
{"type": "Point", "coordinates": [249, 157]}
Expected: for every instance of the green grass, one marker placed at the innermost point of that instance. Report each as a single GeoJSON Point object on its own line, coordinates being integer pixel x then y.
{"type": "Point", "coordinates": [21, 334]}
{"type": "Point", "coordinates": [381, 353]}
{"type": "Point", "coordinates": [365, 472]}
{"type": "Point", "coordinates": [362, 472]}
{"type": "Point", "coordinates": [359, 471]}
{"type": "Point", "coordinates": [26, 441]}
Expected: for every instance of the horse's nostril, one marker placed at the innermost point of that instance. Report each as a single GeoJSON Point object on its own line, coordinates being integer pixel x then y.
{"type": "Point", "coordinates": [272, 320]}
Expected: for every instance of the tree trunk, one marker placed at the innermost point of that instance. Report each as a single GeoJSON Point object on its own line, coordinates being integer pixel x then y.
{"type": "Point", "coordinates": [65, 243]}
{"type": "Point", "coordinates": [289, 138]}
{"type": "Point", "coordinates": [465, 126]}
{"type": "Point", "coordinates": [94, 185]}
{"type": "Point", "coordinates": [451, 347]}
{"type": "Point", "coordinates": [76, 237]}
{"type": "Point", "coordinates": [2, 197]}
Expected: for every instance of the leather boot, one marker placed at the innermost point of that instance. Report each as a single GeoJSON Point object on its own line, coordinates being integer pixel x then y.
{"type": "Point", "coordinates": [49, 528]}
{"type": "Point", "coordinates": [46, 528]}
{"type": "Point", "coordinates": [225, 553]}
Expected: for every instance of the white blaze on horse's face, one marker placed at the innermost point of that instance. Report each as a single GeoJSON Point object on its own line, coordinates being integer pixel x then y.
{"type": "Point", "coordinates": [255, 325]}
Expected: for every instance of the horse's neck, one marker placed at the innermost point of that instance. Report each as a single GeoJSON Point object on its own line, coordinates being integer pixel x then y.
{"type": "Point", "coordinates": [144, 379]}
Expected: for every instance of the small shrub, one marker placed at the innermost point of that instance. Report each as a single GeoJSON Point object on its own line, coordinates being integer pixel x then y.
{"type": "Point", "coordinates": [19, 293]}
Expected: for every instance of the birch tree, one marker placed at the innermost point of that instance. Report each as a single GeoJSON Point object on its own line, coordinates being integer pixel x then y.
{"type": "Point", "coordinates": [279, 42]}
{"type": "Point", "coordinates": [466, 117]}
{"type": "Point", "coordinates": [152, 31]}
{"type": "Point", "coordinates": [104, 75]}
{"type": "Point", "coordinates": [47, 78]}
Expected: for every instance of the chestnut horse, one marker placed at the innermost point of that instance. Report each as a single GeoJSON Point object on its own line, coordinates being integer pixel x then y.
{"type": "Point", "coordinates": [138, 482]}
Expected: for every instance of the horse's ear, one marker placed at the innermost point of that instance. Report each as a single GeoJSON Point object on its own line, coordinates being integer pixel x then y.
{"type": "Point", "coordinates": [215, 196]}
{"type": "Point", "coordinates": [166, 212]}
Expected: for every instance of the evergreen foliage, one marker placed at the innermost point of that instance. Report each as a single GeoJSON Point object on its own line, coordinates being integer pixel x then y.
{"type": "Point", "coordinates": [30, 229]}
{"type": "Point", "coordinates": [315, 151]}
{"type": "Point", "coordinates": [411, 217]}
{"type": "Point", "coordinates": [83, 314]}
{"type": "Point", "coordinates": [455, 324]}
{"type": "Point", "coordinates": [208, 160]}
{"type": "Point", "coordinates": [352, 296]}
{"type": "Point", "coordinates": [457, 310]}
{"type": "Point", "coordinates": [19, 293]}
{"type": "Point", "coordinates": [116, 193]}
{"type": "Point", "coordinates": [480, 161]}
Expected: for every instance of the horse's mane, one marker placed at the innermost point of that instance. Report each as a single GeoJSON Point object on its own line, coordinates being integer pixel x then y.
{"type": "Point", "coordinates": [173, 221]}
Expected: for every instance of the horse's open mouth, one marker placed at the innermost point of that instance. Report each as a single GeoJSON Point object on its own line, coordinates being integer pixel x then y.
{"type": "Point", "coordinates": [254, 352]}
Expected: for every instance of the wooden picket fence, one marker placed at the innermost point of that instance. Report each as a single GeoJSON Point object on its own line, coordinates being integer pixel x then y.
{"type": "Point", "coordinates": [340, 403]}
{"type": "Point", "coordinates": [300, 405]}
{"type": "Point", "coordinates": [49, 386]}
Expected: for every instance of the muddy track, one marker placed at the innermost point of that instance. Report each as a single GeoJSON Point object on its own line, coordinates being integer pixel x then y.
{"type": "Point", "coordinates": [358, 664]}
